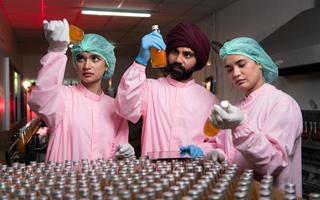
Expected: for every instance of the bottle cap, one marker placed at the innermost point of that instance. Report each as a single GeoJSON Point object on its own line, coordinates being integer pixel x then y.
{"type": "Point", "coordinates": [225, 104]}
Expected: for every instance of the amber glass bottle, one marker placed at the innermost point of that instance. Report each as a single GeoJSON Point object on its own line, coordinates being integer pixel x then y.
{"type": "Point", "coordinates": [158, 58]}
{"type": "Point", "coordinates": [76, 34]}
{"type": "Point", "coordinates": [209, 129]}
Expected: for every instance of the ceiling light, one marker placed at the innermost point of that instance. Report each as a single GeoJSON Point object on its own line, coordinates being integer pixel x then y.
{"type": "Point", "coordinates": [121, 13]}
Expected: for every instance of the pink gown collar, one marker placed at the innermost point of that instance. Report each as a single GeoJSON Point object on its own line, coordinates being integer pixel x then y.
{"type": "Point", "coordinates": [265, 87]}
{"type": "Point", "coordinates": [88, 93]}
{"type": "Point", "coordinates": [176, 83]}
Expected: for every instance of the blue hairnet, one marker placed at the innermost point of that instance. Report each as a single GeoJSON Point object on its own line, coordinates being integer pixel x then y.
{"type": "Point", "coordinates": [250, 48]}
{"type": "Point", "coordinates": [96, 44]}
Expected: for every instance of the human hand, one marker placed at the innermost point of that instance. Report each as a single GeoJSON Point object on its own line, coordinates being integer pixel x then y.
{"type": "Point", "coordinates": [215, 156]}
{"type": "Point", "coordinates": [124, 151]}
{"type": "Point", "coordinates": [57, 35]}
{"type": "Point", "coordinates": [227, 118]}
{"type": "Point", "coordinates": [192, 150]}
{"type": "Point", "coordinates": [153, 39]}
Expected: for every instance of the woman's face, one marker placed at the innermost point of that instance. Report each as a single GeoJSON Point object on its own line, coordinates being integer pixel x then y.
{"type": "Point", "coordinates": [244, 73]}
{"type": "Point", "coordinates": [90, 67]}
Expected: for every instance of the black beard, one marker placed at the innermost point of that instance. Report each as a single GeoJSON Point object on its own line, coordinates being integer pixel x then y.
{"type": "Point", "coordinates": [177, 72]}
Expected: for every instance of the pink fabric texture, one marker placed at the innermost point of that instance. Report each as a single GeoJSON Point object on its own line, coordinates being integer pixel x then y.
{"type": "Point", "coordinates": [174, 113]}
{"type": "Point", "coordinates": [269, 141]}
{"type": "Point", "coordinates": [82, 125]}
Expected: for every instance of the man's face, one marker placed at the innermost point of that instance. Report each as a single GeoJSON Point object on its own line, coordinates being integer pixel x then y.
{"type": "Point", "coordinates": [181, 62]}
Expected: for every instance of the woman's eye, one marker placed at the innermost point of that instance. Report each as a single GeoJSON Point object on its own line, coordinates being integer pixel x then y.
{"type": "Point", "coordinates": [96, 58]}
{"type": "Point", "coordinates": [79, 59]}
{"type": "Point", "coordinates": [229, 69]}
{"type": "Point", "coordinates": [242, 64]}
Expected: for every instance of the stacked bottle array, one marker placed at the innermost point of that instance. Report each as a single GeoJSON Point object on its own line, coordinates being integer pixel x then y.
{"type": "Point", "coordinates": [128, 179]}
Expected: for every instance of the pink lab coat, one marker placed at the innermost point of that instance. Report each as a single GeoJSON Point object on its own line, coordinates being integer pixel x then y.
{"type": "Point", "coordinates": [82, 125]}
{"type": "Point", "coordinates": [174, 113]}
{"type": "Point", "coordinates": [269, 141]}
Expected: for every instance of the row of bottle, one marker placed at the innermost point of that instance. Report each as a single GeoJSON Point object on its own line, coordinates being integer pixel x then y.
{"type": "Point", "coordinates": [131, 179]}
{"type": "Point", "coordinates": [311, 130]}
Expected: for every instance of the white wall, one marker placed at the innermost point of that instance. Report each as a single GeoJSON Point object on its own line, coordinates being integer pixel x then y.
{"type": "Point", "coordinates": [201, 75]}
{"type": "Point", "coordinates": [31, 66]}
{"type": "Point", "coordinates": [303, 88]}
{"type": "Point", "coordinates": [258, 19]}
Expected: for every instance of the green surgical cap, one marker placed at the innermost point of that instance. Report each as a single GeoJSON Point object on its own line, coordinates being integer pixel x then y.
{"type": "Point", "coordinates": [250, 48]}
{"type": "Point", "coordinates": [96, 44]}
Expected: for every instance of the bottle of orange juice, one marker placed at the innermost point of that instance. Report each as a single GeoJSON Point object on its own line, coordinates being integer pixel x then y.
{"type": "Point", "coordinates": [158, 58]}
{"type": "Point", "coordinates": [76, 34]}
{"type": "Point", "coordinates": [209, 129]}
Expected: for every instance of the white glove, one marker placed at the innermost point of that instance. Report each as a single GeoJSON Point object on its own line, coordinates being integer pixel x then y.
{"type": "Point", "coordinates": [124, 151]}
{"type": "Point", "coordinates": [227, 118]}
{"type": "Point", "coordinates": [57, 34]}
{"type": "Point", "coordinates": [215, 156]}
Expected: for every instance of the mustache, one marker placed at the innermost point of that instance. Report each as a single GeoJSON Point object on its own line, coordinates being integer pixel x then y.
{"type": "Point", "coordinates": [177, 65]}
{"type": "Point", "coordinates": [178, 72]}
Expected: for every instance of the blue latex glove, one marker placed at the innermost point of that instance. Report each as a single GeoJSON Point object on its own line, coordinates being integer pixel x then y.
{"type": "Point", "coordinates": [153, 39]}
{"type": "Point", "coordinates": [193, 150]}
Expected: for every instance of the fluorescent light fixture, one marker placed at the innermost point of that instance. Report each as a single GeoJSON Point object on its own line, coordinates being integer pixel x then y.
{"type": "Point", "coordinates": [116, 12]}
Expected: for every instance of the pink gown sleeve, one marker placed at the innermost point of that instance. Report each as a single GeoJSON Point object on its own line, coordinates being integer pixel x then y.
{"type": "Point", "coordinates": [47, 96]}
{"type": "Point", "coordinates": [269, 148]}
{"type": "Point", "coordinates": [131, 93]}
{"type": "Point", "coordinates": [122, 134]}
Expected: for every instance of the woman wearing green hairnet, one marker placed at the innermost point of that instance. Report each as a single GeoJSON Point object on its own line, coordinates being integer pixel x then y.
{"type": "Point", "coordinates": [81, 118]}
{"type": "Point", "coordinates": [263, 131]}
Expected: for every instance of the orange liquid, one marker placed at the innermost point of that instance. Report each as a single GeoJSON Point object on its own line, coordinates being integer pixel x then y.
{"type": "Point", "coordinates": [21, 145]}
{"type": "Point", "coordinates": [209, 129]}
{"type": "Point", "coordinates": [158, 58]}
{"type": "Point", "coordinates": [76, 34]}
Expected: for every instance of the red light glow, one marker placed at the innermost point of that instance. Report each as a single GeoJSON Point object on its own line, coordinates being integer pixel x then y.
{"type": "Point", "coordinates": [42, 10]}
